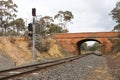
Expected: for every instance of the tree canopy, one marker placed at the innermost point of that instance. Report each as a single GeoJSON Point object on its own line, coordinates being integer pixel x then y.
{"type": "Point", "coordinates": [116, 13]}
{"type": "Point", "coordinates": [8, 11]}
{"type": "Point", "coordinates": [46, 25]}
{"type": "Point", "coordinates": [116, 16]}
{"type": "Point", "coordinates": [64, 17]}
{"type": "Point", "coordinates": [18, 24]}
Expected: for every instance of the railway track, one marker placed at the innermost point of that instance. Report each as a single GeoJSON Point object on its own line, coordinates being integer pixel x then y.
{"type": "Point", "coordinates": [25, 70]}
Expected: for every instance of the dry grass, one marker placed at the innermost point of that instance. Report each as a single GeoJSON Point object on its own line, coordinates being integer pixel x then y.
{"type": "Point", "coordinates": [54, 51]}
{"type": "Point", "coordinates": [19, 51]}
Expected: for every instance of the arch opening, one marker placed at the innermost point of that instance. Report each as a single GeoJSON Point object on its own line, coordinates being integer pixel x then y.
{"type": "Point", "coordinates": [83, 46]}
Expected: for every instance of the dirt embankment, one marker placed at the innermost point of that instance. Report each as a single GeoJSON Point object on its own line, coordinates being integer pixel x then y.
{"type": "Point", "coordinates": [19, 51]}
{"type": "Point", "coordinates": [16, 49]}
{"type": "Point", "coordinates": [114, 60]}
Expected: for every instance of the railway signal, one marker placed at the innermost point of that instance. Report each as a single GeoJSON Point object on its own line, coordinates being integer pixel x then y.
{"type": "Point", "coordinates": [30, 29]}
{"type": "Point", "coordinates": [33, 12]}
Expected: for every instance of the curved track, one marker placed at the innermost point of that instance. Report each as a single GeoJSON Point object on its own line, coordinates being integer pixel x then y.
{"type": "Point", "coordinates": [22, 71]}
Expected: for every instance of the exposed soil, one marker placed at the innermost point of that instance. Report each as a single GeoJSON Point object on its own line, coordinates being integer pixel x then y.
{"type": "Point", "coordinates": [15, 51]}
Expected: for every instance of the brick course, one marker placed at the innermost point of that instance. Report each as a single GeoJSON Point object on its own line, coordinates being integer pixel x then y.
{"type": "Point", "coordinates": [69, 41]}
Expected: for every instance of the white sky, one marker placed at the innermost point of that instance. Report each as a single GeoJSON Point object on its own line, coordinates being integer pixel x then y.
{"type": "Point", "coordinates": [89, 15]}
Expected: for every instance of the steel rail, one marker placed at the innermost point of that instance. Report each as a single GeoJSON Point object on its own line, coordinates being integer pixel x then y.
{"type": "Point", "coordinates": [29, 66]}
{"type": "Point", "coordinates": [38, 67]}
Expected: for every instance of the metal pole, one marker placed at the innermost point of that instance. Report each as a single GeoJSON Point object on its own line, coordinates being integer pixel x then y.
{"type": "Point", "coordinates": [33, 48]}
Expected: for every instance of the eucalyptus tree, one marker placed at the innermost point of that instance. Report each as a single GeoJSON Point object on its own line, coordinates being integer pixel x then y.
{"type": "Point", "coordinates": [18, 25]}
{"type": "Point", "coordinates": [116, 16]}
{"type": "Point", "coordinates": [7, 13]}
{"type": "Point", "coordinates": [45, 23]}
{"type": "Point", "coordinates": [64, 17]}
{"type": "Point", "coordinates": [54, 28]}
{"type": "Point", "coordinates": [116, 28]}
{"type": "Point", "coordinates": [47, 26]}
{"type": "Point", "coordinates": [83, 47]}
{"type": "Point", "coordinates": [116, 13]}
{"type": "Point", "coordinates": [95, 47]}
{"type": "Point", "coordinates": [59, 16]}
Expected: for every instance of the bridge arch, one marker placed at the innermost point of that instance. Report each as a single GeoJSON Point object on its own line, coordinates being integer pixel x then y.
{"type": "Point", "coordinates": [79, 43]}
{"type": "Point", "coordinates": [71, 41]}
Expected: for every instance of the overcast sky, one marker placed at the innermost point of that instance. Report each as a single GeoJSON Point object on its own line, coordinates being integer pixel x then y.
{"type": "Point", "coordinates": [89, 15]}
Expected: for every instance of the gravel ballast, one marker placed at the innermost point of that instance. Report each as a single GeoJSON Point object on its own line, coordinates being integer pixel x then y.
{"type": "Point", "coordinates": [91, 67]}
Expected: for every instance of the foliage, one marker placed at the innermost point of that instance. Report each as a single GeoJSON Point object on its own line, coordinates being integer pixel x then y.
{"type": "Point", "coordinates": [64, 17]}
{"type": "Point", "coordinates": [116, 13]}
{"type": "Point", "coordinates": [94, 47]}
{"type": "Point", "coordinates": [116, 47]}
{"type": "Point", "coordinates": [117, 28]}
{"type": "Point", "coordinates": [18, 24]}
{"type": "Point", "coordinates": [118, 35]}
{"type": "Point", "coordinates": [53, 28]}
{"type": "Point", "coordinates": [43, 46]}
{"type": "Point", "coordinates": [42, 25]}
{"type": "Point", "coordinates": [83, 46]}
{"type": "Point", "coordinates": [7, 13]}
{"type": "Point", "coordinates": [46, 26]}
{"type": "Point", "coordinates": [116, 16]}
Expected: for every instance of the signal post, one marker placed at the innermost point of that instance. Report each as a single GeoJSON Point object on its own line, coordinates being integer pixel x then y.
{"type": "Point", "coordinates": [33, 48]}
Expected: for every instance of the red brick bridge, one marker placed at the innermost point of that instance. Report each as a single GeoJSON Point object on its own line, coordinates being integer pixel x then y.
{"type": "Point", "coordinates": [72, 41]}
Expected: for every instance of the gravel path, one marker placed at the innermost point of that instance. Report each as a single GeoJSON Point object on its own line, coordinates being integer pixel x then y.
{"type": "Point", "coordinates": [91, 67]}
